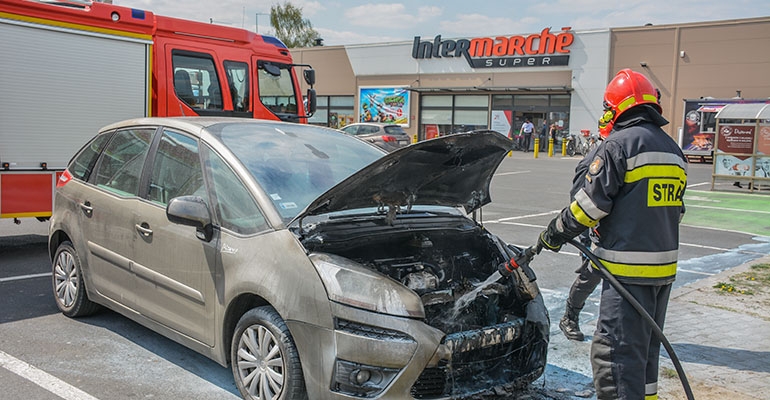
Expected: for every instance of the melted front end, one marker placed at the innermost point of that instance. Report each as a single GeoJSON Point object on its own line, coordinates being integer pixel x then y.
{"type": "Point", "coordinates": [495, 335]}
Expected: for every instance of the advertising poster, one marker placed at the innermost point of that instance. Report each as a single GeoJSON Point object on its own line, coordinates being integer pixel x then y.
{"type": "Point", "coordinates": [763, 140]}
{"type": "Point", "coordinates": [696, 138]}
{"type": "Point", "coordinates": [763, 168]}
{"type": "Point", "coordinates": [501, 122]}
{"type": "Point", "coordinates": [732, 165]}
{"type": "Point", "coordinates": [736, 139]}
{"type": "Point", "coordinates": [384, 104]}
{"type": "Point", "coordinates": [431, 131]}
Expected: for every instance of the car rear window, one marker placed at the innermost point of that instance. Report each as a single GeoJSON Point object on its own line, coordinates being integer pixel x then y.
{"type": "Point", "coordinates": [395, 130]}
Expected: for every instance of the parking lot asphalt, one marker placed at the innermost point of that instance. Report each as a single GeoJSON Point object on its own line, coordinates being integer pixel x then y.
{"type": "Point", "coordinates": [110, 357]}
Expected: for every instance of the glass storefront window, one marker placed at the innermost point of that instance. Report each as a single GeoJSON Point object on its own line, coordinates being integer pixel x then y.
{"type": "Point", "coordinates": [560, 100]}
{"type": "Point", "coordinates": [525, 100]}
{"type": "Point", "coordinates": [472, 101]}
{"type": "Point", "coordinates": [334, 111]}
{"type": "Point", "coordinates": [502, 102]}
{"type": "Point", "coordinates": [437, 101]}
{"type": "Point", "coordinates": [468, 120]}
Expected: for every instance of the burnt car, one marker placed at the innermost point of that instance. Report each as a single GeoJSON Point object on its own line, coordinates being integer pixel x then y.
{"type": "Point", "coordinates": [387, 136]}
{"type": "Point", "coordinates": [315, 265]}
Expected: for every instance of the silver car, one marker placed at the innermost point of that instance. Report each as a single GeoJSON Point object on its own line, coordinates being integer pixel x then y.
{"type": "Point", "coordinates": [316, 265]}
{"type": "Point", "coordinates": [388, 136]}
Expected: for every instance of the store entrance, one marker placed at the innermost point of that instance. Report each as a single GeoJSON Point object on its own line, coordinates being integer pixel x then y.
{"type": "Point", "coordinates": [537, 118]}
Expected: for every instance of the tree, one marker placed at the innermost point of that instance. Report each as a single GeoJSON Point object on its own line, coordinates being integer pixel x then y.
{"type": "Point", "coordinates": [293, 30]}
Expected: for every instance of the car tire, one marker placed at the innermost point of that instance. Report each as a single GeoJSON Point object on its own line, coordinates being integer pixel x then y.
{"type": "Point", "coordinates": [264, 358]}
{"type": "Point", "coordinates": [68, 287]}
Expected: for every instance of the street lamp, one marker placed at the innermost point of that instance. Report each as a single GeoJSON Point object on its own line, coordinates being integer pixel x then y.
{"type": "Point", "coordinates": [257, 15]}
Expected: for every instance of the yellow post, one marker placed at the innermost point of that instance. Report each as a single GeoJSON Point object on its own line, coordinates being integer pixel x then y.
{"type": "Point", "coordinates": [564, 147]}
{"type": "Point", "coordinates": [414, 138]}
{"type": "Point", "coordinates": [537, 147]}
{"type": "Point", "coordinates": [510, 152]}
{"type": "Point", "coordinates": [550, 147]}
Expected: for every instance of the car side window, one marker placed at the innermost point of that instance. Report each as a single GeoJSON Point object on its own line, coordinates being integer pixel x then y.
{"type": "Point", "coordinates": [235, 207]}
{"type": "Point", "coordinates": [82, 165]}
{"type": "Point", "coordinates": [176, 170]}
{"type": "Point", "coordinates": [121, 164]}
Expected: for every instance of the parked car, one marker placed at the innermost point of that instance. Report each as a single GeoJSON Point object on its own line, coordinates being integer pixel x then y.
{"type": "Point", "coordinates": [316, 265]}
{"type": "Point", "coordinates": [388, 136]}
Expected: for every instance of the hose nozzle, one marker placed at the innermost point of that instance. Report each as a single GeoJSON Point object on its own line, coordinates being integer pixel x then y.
{"type": "Point", "coordinates": [520, 260]}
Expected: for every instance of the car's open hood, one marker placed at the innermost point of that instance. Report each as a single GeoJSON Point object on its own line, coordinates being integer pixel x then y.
{"type": "Point", "coordinates": [453, 171]}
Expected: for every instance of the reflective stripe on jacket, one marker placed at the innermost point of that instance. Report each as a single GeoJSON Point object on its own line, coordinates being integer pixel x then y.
{"type": "Point", "coordinates": [635, 186]}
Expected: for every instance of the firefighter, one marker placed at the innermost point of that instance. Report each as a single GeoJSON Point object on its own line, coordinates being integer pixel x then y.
{"type": "Point", "coordinates": [634, 185]}
{"type": "Point", "coordinates": [588, 278]}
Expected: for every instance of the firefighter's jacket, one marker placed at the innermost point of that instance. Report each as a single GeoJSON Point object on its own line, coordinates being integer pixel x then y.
{"type": "Point", "coordinates": [635, 186]}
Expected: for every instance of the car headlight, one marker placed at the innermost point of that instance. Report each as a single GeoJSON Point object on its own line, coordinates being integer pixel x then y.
{"type": "Point", "coordinates": [351, 283]}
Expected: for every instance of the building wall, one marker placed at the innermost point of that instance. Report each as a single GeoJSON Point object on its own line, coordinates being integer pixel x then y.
{"type": "Point", "coordinates": [709, 59]}
{"type": "Point", "coordinates": [690, 61]}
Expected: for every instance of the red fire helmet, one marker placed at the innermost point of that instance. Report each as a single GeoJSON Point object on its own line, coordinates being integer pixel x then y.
{"type": "Point", "coordinates": [626, 90]}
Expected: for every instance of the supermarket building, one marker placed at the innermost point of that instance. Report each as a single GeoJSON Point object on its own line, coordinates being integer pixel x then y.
{"type": "Point", "coordinates": [439, 85]}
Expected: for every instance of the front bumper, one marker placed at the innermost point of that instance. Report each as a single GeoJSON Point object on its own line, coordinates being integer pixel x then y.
{"type": "Point", "coordinates": [371, 355]}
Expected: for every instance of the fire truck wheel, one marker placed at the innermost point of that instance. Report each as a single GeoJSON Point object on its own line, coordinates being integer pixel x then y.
{"type": "Point", "coordinates": [265, 361]}
{"type": "Point", "coordinates": [68, 288]}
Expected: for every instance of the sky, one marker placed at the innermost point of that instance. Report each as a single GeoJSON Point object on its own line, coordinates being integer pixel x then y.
{"type": "Point", "coordinates": [345, 22]}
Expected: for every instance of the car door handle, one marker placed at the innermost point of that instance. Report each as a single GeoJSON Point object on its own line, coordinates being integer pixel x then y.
{"type": "Point", "coordinates": [144, 229]}
{"type": "Point", "coordinates": [87, 209]}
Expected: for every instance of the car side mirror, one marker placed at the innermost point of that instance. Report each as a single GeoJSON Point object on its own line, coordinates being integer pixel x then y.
{"type": "Point", "coordinates": [191, 211]}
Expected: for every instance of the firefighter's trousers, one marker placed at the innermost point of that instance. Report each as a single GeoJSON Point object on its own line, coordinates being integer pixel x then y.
{"type": "Point", "coordinates": [585, 283]}
{"type": "Point", "coordinates": [624, 351]}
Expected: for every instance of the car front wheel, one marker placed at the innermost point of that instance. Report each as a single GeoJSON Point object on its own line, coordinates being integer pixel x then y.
{"type": "Point", "coordinates": [265, 361]}
{"type": "Point", "coordinates": [68, 288]}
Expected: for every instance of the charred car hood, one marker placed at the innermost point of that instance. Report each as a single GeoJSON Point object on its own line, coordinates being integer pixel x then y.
{"type": "Point", "coordinates": [453, 171]}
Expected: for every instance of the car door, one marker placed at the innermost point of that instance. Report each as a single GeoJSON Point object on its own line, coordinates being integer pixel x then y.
{"type": "Point", "coordinates": [108, 213]}
{"type": "Point", "coordinates": [175, 270]}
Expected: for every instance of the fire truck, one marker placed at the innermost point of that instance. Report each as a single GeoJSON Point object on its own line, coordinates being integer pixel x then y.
{"type": "Point", "coordinates": [699, 126]}
{"type": "Point", "coordinates": [71, 67]}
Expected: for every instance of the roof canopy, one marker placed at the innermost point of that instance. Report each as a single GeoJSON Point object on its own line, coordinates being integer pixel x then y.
{"type": "Point", "coordinates": [745, 111]}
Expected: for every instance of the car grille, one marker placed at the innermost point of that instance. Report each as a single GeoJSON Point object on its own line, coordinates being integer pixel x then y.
{"type": "Point", "coordinates": [372, 332]}
{"type": "Point", "coordinates": [505, 354]}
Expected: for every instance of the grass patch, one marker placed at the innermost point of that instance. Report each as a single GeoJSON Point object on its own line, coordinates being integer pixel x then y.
{"type": "Point", "coordinates": [756, 279]}
{"type": "Point", "coordinates": [669, 373]}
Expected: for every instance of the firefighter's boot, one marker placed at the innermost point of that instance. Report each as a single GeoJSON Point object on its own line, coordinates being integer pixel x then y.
{"type": "Point", "coordinates": [569, 324]}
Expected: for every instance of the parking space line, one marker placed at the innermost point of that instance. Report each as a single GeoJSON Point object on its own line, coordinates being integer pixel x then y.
{"type": "Point", "coordinates": [512, 173]}
{"type": "Point", "coordinates": [43, 379]}
{"type": "Point", "coordinates": [22, 277]}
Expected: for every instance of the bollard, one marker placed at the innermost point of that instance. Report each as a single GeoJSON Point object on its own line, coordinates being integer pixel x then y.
{"type": "Point", "coordinates": [510, 152]}
{"type": "Point", "coordinates": [537, 146]}
{"type": "Point", "coordinates": [563, 147]}
{"type": "Point", "coordinates": [550, 147]}
{"type": "Point", "coordinates": [414, 138]}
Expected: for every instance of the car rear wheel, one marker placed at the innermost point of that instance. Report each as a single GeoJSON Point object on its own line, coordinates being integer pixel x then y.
{"type": "Point", "coordinates": [265, 360]}
{"type": "Point", "coordinates": [68, 288]}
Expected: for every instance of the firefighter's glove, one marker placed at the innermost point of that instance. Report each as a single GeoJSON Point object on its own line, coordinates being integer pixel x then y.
{"type": "Point", "coordinates": [552, 238]}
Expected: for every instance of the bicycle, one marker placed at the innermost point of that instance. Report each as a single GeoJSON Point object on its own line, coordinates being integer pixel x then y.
{"type": "Point", "coordinates": [583, 143]}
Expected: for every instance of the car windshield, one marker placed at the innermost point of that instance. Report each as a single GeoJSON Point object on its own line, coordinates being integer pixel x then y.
{"type": "Point", "coordinates": [295, 163]}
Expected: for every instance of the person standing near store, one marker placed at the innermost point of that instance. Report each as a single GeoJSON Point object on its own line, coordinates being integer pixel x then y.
{"type": "Point", "coordinates": [543, 135]}
{"type": "Point", "coordinates": [527, 130]}
{"type": "Point", "coordinates": [635, 186]}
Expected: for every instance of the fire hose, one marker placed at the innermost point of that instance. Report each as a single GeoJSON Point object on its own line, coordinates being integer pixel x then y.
{"type": "Point", "coordinates": [521, 260]}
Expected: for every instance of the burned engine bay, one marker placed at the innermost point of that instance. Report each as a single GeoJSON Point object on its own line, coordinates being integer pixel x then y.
{"type": "Point", "coordinates": [439, 260]}
{"type": "Point", "coordinates": [499, 336]}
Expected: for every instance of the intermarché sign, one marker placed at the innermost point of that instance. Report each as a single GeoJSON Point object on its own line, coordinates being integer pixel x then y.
{"type": "Point", "coordinates": [537, 50]}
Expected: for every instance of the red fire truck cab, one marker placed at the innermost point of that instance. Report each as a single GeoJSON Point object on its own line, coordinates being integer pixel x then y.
{"type": "Point", "coordinates": [70, 68]}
